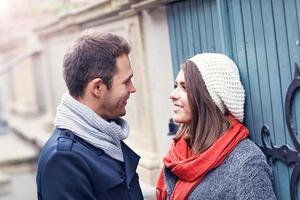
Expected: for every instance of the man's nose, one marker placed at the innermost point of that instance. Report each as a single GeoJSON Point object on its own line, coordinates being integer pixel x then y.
{"type": "Point", "coordinates": [132, 89]}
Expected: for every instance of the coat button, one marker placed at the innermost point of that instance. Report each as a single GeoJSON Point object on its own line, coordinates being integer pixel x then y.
{"type": "Point", "coordinates": [122, 175]}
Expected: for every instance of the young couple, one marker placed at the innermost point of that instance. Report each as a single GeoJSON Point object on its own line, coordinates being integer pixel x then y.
{"type": "Point", "coordinates": [211, 156]}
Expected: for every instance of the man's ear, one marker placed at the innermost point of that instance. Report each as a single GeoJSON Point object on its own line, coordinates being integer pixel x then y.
{"type": "Point", "coordinates": [96, 87]}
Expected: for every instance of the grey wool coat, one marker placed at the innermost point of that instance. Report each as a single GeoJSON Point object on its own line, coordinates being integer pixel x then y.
{"type": "Point", "coordinates": [245, 174]}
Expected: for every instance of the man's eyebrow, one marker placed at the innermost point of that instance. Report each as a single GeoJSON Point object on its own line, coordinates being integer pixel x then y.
{"type": "Point", "coordinates": [127, 79]}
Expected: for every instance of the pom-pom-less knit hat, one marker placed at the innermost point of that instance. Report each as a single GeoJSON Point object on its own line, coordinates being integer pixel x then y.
{"type": "Point", "coordinates": [222, 80]}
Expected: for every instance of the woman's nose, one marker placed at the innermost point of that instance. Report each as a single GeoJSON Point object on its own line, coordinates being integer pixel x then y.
{"type": "Point", "coordinates": [173, 95]}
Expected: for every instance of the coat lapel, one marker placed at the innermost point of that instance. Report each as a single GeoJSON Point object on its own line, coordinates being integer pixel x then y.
{"type": "Point", "coordinates": [131, 161]}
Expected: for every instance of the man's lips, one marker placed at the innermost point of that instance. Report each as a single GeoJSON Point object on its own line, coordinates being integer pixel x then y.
{"type": "Point", "coordinates": [125, 102]}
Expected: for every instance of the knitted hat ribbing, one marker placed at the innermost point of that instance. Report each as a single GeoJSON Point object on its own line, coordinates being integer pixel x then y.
{"type": "Point", "coordinates": [222, 80]}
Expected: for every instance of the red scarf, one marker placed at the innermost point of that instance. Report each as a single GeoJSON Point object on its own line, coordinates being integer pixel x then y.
{"type": "Point", "coordinates": [192, 168]}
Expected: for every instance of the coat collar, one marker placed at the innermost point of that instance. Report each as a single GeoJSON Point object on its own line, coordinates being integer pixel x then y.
{"type": "Point", "coordinates": [131, 161]}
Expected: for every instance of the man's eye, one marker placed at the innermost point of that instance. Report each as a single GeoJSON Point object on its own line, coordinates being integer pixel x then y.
{"type": "Point", "coordinates": [127, 82]}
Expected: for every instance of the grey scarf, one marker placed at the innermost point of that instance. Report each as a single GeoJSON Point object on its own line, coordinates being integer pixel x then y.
{"type": "Point", "coordinates": [86, 124]}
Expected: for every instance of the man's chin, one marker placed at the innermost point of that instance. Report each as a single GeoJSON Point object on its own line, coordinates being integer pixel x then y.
{"type": "Point", "coordinates": [123, 113]}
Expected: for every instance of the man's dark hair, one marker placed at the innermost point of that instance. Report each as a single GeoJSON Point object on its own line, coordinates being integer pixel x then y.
{"type": "Point", "coordinates": [93, 55]}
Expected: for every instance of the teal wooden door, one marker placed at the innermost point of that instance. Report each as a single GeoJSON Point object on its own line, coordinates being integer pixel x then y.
{"type": "Point", "coordinates": [193, 27]}
{"type": "Point", "coordinates": [263, 38]}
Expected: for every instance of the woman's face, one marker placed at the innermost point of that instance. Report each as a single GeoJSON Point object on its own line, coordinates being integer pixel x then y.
{"type": "Point", "coordinates": [182, 109]}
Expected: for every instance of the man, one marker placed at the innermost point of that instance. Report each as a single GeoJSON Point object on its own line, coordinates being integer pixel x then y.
{"type": "Point", "coordinates": [85, 157]}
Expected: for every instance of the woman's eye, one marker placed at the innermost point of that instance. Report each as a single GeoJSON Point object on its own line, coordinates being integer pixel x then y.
{"type": "Point", "coordinates": [175, 86]}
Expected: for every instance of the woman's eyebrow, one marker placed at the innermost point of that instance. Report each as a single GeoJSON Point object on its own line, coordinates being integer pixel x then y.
{"type": "Point", "coordinates": [182, 83]}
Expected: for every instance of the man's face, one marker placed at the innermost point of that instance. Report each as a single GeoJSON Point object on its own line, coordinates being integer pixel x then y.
{"type": "Point", "coordinates": [114, 100]}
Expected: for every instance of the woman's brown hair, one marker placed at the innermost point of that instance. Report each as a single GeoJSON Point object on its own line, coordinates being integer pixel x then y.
{"type": "Point", "coordinates": [208, 122]}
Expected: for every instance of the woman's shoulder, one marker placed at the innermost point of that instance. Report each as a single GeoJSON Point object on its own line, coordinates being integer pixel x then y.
{"type": "Point", "coordinates": [248, 146]}
{"type": "Point", "coordinates": [246, 151]}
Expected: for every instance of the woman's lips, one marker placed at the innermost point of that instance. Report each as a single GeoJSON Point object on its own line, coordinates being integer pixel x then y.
{"type": "Point", "coordinates": [176, 107]}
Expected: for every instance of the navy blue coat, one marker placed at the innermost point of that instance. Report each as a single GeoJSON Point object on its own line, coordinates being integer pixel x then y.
{"type": "Point", "coordinates": [70, 168]}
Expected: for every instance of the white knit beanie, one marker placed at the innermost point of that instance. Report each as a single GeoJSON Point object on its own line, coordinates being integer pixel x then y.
{"type": "Point", "coordinates": [222, 80]}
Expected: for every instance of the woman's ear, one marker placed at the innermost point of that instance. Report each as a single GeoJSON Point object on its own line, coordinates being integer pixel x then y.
{"type": "Point", "coordinates": [96, 87]}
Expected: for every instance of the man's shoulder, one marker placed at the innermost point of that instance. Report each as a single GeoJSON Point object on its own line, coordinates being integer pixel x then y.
{"type": "Point", "coordinates": [63, 140]}
{"type": "Point", "coordinates": [60, 140]}
{"type": "Point", "coordinates": [66, 141]}
{"type": "Point", "coordinates": [57, 142]}
{"type": "Point", "coordinates": [50, 146]}
{"type": "Point", "coordinates": [65, 145]}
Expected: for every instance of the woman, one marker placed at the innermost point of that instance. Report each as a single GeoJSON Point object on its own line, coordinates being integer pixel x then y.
{"type": "Point", "coordinates": [211, 157]}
